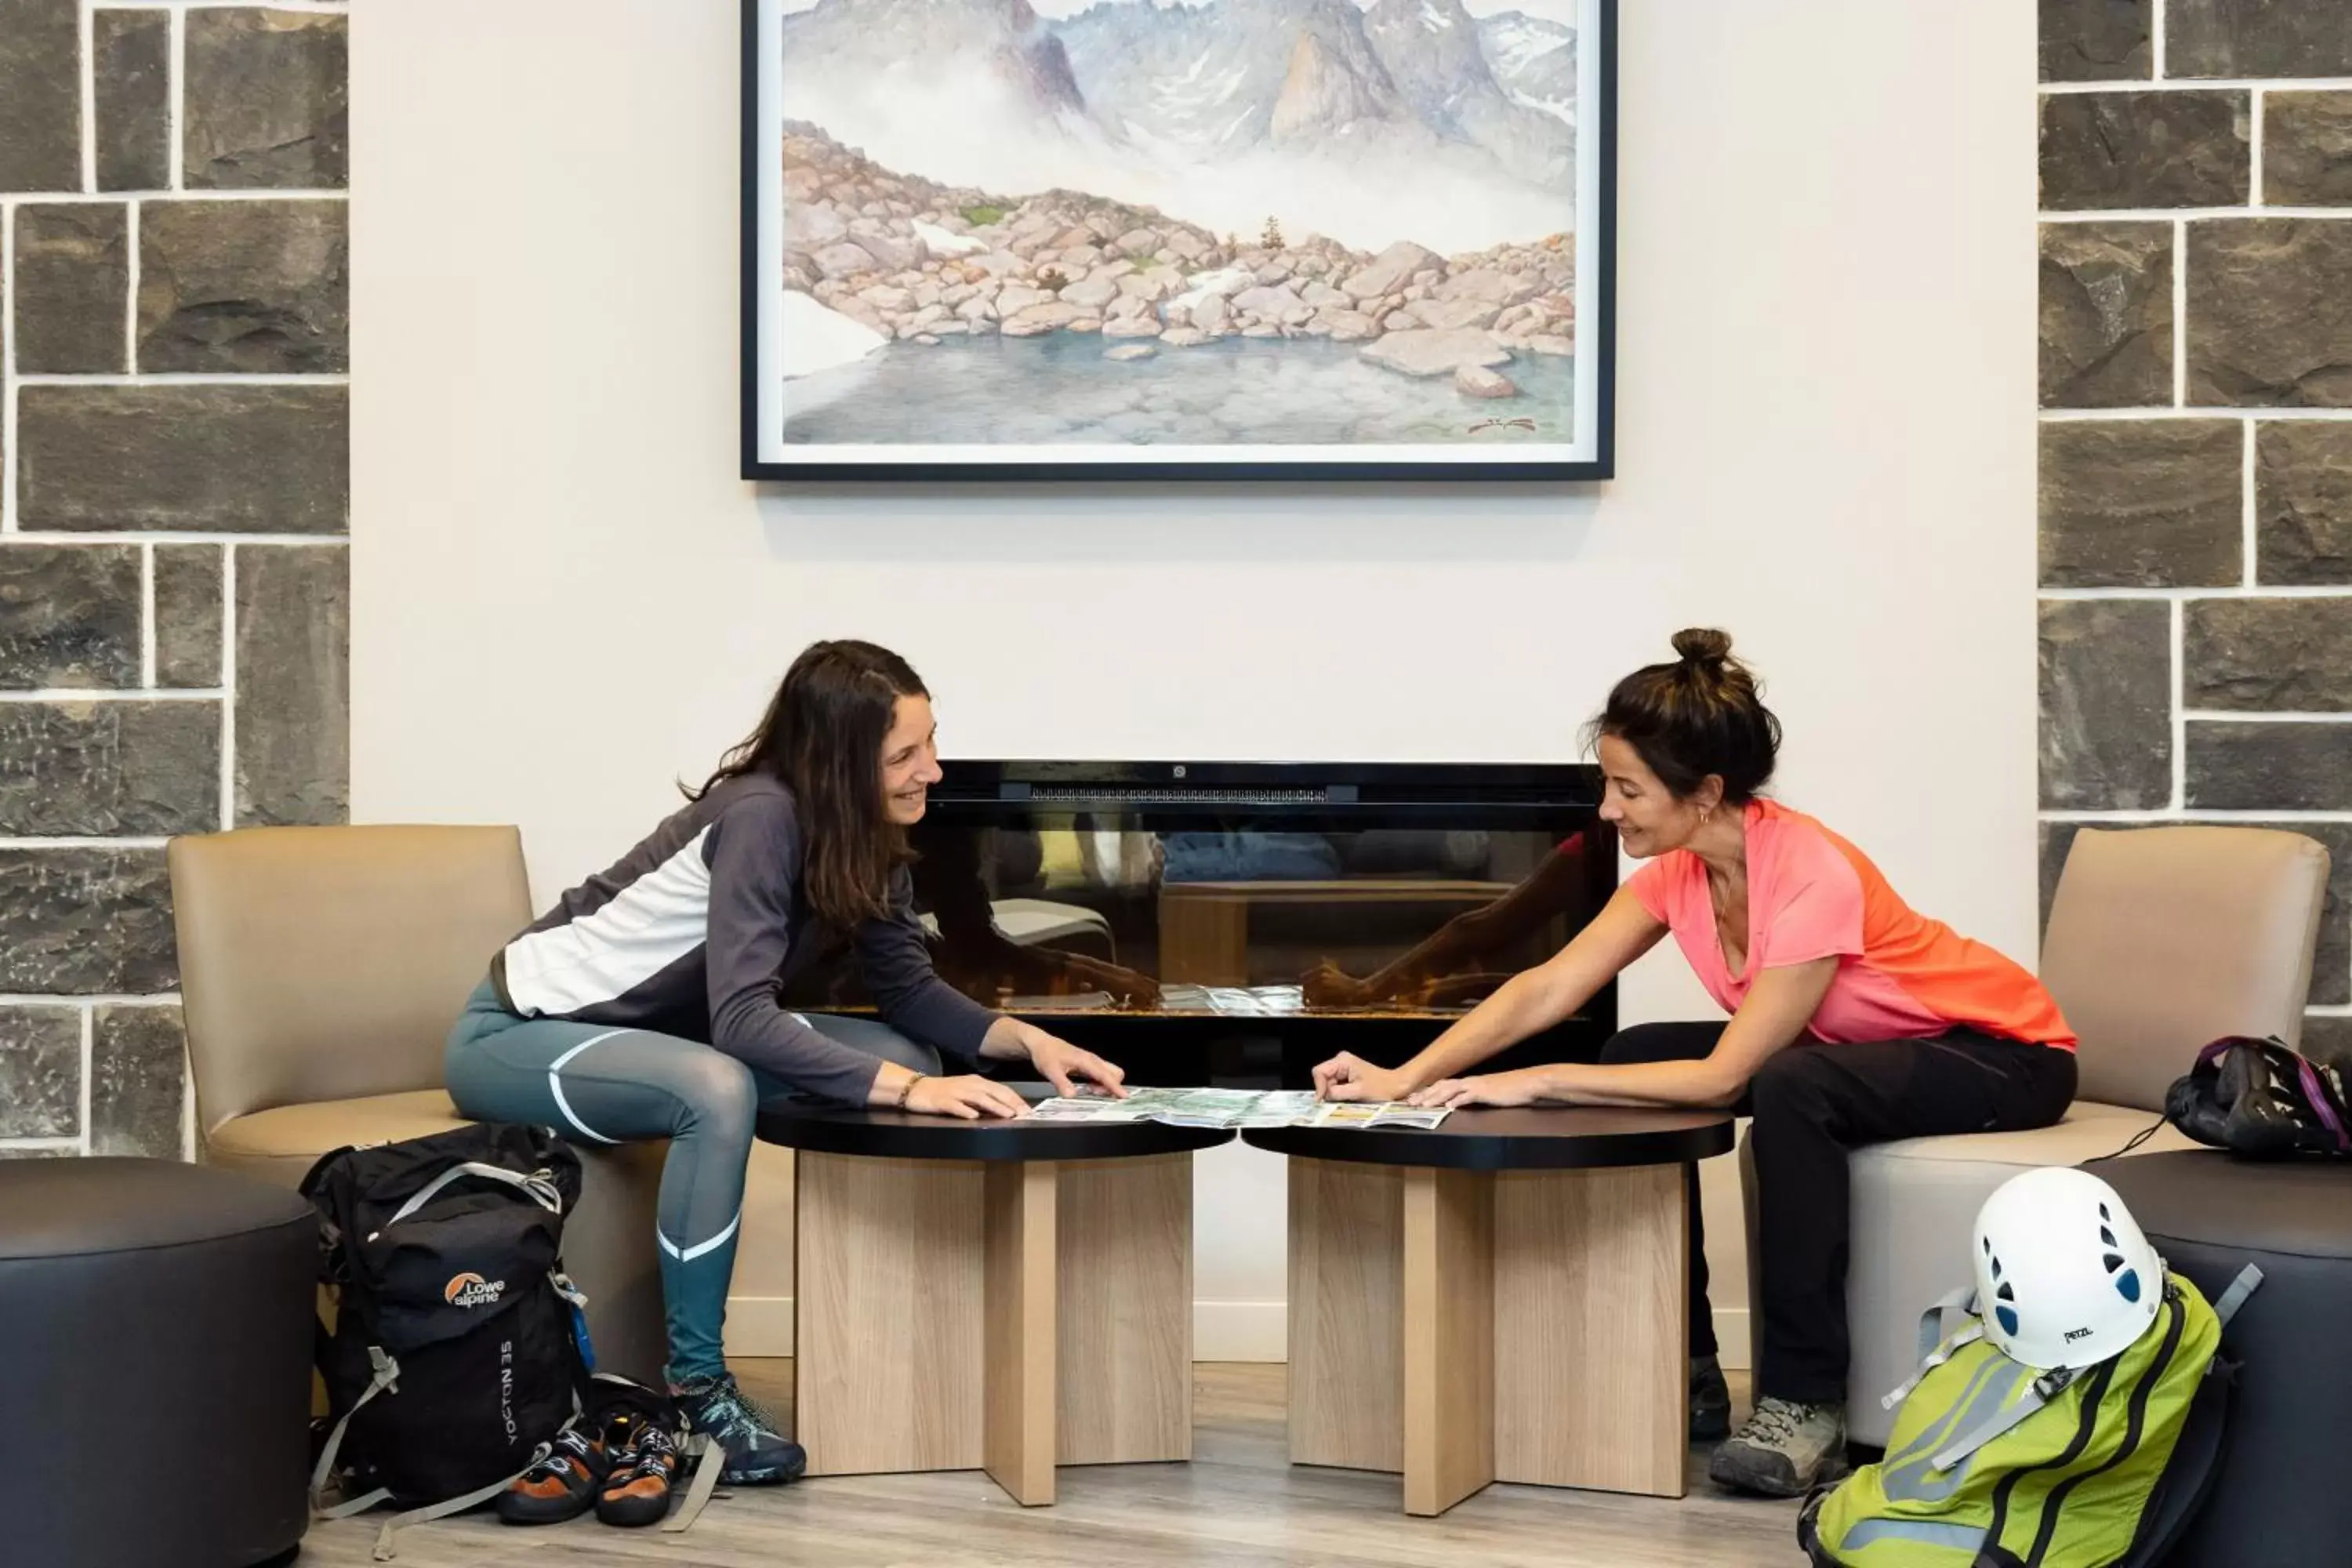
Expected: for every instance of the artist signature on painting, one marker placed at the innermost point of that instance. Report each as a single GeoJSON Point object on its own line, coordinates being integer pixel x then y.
{"type": "Point", "coordinates": [1520, 423]}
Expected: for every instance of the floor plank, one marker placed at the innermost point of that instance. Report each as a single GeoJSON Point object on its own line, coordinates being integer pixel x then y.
{"type": "Point", "coordinates": [1238, 1503]}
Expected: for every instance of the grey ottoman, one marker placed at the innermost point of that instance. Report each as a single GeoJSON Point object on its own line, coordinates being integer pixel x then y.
{"type": "Point", "coordinates": [155, 1363]}
{"type": "Point", "coordinates": [2281, 1499]}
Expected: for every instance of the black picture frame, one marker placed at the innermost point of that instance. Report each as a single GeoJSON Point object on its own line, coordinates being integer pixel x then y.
{"type": "Point", "coordinates": [1598, 331]}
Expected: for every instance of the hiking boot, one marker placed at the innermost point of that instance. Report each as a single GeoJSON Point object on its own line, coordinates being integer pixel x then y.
{"type": "Point", "coordinates": [560, 1487]}
{"type": "Point", "coordinates": [1784, 1450]}
{"type": "Point", "coordinates": [753, 1453]}
{"type": "Point", "coordinates": [1710, 1401]}
{"type": "Point", "coordinates": [645, 1470]}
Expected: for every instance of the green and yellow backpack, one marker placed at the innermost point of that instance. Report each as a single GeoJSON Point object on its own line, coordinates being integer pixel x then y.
{"type": "Point", "coordinates": [1995, 1464]}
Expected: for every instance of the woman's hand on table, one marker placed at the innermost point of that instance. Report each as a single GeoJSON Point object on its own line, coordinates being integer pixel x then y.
{"type": "Point", "coordinates": [1350, 1077]}
{"type": "Point", "coordinates": [1064, 1065]}
{"type": "Point", "coordinates": [1502, 1088]}
{"type": "Point", "coordinates": [967, 1097]}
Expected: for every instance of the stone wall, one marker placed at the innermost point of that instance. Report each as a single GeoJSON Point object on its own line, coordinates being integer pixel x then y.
{"type": "Point", "coordinates": [2196, 427]}
{"type": "Point", "coordinates": [172, 541]}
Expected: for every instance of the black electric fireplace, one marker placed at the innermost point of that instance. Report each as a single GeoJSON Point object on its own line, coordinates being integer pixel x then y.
{"type": "Point", "coordinates": [1237, 922]}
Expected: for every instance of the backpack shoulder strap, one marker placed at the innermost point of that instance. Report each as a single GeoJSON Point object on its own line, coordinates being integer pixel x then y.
{"type": "Point", "coordinates": [1935, 1352]}
{"type": "Point", "coordinates": [387, 1375]}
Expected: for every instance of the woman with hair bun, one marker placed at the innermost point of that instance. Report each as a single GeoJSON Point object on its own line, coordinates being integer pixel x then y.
{"type": "Point", "coordinates": [1853, 1020]}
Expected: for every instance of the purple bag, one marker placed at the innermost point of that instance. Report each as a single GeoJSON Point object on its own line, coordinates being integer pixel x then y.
{"type": "Point", "coordinates": [2264, 1099]}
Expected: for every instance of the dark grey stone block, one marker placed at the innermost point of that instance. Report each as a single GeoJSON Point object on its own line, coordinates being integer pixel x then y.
{"type": "Point", "coordinates": [2057, 838]}
{"type": "Point", "coordinates": [2307, 149]}
{"type": "Point", "coordinates": [68, 616]}
{"type": "Point", "coordinates": [2106, 704]}
{"type": "Point", "coordinates": [2106, 315]}
{"type": "Point", "coordinates": [2096, 40]}
{"type": "Point", "coordinates": [94, 769]}
{"type": "Point", "coordinates": [251, 459]}
{"type": "Point", "coordinates": [2268, 655]}
{"type": "Point", "coordinates": [2153, 503]}
{"type": "Point", "coordinates": [293, 685]}
{"type": "Point", "coordinates": [40, 95]}
{"type": "Point", "coordinates": [40, 1072]}
{"type": "Point", "coordinates": [2282, 766]}
{"type": "Point", "coordinates": [137, 1081]}
{"type": "Point", "coordinates": [2256, 38]}
{"type": "Point", "coordinates": [131, 55]}
{"type": "Point", "coordinates": [2329, 1035]}
{"type": "Point", "coordinates": [187, 615]}
{"type": "Point", "coordinates": [266, 100]}
{"type": "Point", "coordinates": [257, 286]}
{"type": "Point", "coordinates": [2303, 501]}
{"type": "Point", "coordinates": [2127, 149]}
{"type": "Point", "coordinates": [73, 285]}
{"type": "Point", "coordinates": [83, 920]}
{"type": "Point", "coordinates": [2270, 313]}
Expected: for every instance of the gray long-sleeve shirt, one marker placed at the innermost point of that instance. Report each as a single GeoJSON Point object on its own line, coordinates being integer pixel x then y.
{"type": "Point", "coordinates": [694, 932]}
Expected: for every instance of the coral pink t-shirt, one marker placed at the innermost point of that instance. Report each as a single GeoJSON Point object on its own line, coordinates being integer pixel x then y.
{"type": "Point", "coordinates": [1811, 895]}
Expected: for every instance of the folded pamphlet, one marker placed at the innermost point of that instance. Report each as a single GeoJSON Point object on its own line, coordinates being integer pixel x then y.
{"type": "Point", "coordinates": [1235, 1107]}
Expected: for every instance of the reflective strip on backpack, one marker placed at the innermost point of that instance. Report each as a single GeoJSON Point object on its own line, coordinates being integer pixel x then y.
{"type": "Point", "coordinates": [1910, 1475]}
{"type": "Point", "coordinates": [1916, 1531]}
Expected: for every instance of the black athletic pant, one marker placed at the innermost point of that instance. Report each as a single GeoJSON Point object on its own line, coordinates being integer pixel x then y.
{"type": "Point", "coordinates": [1812, 1103]}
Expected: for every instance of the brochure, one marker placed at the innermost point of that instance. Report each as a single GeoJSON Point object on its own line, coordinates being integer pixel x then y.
{"type": "Point", "coordinates": [1235, 1107]}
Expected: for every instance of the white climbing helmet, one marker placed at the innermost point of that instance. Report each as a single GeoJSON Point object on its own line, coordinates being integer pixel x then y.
{"type": "Point", "coordinates": [2064, 1277]}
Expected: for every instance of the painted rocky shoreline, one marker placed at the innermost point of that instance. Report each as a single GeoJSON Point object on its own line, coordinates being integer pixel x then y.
{"type": "Point", "coordinates": [917, 261]}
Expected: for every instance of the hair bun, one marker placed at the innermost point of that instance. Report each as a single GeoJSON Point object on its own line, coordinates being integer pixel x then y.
{"type": "Point", "coordinates": [1703, 645]}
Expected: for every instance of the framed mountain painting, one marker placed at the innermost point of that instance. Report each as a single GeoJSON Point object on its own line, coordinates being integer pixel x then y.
{"type": "Point", "coordinates": [1178, 239]}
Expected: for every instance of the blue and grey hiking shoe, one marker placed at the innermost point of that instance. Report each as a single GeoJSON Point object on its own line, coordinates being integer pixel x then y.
{"type": "Point", "coordinates": [754, 1453]}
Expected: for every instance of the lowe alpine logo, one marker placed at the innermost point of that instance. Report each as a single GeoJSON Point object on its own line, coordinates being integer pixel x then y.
{"type": "Point", "coordinates": [473, 1291]}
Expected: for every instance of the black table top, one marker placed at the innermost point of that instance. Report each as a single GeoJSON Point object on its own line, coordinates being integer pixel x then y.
{"type": "Point", "coordinates": [1551, 1138]}
{"type": "Point", "coordinates": [904, 1135]}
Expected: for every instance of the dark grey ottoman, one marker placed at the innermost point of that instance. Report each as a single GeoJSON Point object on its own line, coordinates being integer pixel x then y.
{"type": "Point", "coordinates": [2281, 1499]}
{"type": "Point", "coordinates": [155, 1335]}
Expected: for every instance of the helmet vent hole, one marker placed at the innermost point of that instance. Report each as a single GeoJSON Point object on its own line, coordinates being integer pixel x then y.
{"type": "Point", "coordinates": [2107, 1235]}
{"type": "Point", "coordinates": [2111, 1262]}
{"type": "Point", "coordinates": [2105, 1214]}
{"type": "Point", "coordinates": [1996, 1267]}
{"type": "Point", "coordinates": [2007, 1294]}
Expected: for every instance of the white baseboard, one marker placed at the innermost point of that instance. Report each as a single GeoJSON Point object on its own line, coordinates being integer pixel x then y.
{"type": "Point", "coordinates": [1221, 1330]}
{"type": "Point", "coordinates": [1241, 1330]}
{"type": "Point", "coordinates": [1731, 1338]}
{"type": "Point", "coordinates": [758, 1325]}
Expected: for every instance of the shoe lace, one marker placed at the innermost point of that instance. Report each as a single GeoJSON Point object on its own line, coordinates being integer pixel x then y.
{"type": "Point", "coordinates": [729, 1414]}
{"type": "Point", "coordinates": [1775, 1422]}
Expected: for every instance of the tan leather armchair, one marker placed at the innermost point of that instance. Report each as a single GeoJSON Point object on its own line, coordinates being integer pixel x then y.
{"type": "Point", "coordinates": [2159, 940]}
{"type": "Point", "coordinates": [321, 969]}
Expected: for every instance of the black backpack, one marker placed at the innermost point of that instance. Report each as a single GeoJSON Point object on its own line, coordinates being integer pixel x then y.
{"type": "Point", "coordinates": [2261, 1099]}
{"type": "Point", "coordinates": [458, 1349]}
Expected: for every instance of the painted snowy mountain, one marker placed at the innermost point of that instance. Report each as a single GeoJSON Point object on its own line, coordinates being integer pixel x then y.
{"type": "Point", "coordinates": [1434, 54]}
{"type": "Point", "coordinates": [1330, 117]}
{"type": "Point", "coordinates": [1533, 59]}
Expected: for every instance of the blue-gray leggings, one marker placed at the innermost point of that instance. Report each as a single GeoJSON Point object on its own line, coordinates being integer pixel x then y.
{"type": "Point", "coordinates": [596, 1084]}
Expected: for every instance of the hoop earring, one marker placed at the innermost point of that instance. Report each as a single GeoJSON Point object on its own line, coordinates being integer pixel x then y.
{"type": "Point", "coordinates": [1705, 814]}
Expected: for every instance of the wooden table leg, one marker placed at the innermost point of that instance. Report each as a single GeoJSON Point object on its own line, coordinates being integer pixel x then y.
{"type": "Point", "coordinates": [889, 1323]}
{"type": "Point", "coordinates": [1346, 1315]}
{"type": "Point", "coordinates": [1591, 1328]}
{"type": "Point", "coordinates": [1125, 1323]}
{"type": "Point", "coordinates": [1020, 1291]}
{"type": "Point", "coordinates": [1449, 1337]}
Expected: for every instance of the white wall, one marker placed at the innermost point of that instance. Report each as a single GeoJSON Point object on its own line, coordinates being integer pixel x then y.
{"type": "Point", "coordinates": [564, 600]}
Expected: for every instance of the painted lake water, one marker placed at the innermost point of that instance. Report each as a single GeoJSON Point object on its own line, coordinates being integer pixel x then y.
{"type": "Point", "coordinates": [1063, 388]}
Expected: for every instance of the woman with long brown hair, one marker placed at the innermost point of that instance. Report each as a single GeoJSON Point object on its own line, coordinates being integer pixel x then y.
{"type": "Point", "coordinates": [644, 1004]}
{"type": "Point", "coordinates": [1853, 1020]}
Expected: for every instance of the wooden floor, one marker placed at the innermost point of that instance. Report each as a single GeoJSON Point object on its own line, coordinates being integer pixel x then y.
{"type": "Point", "coordinates": [1237, 1503]}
